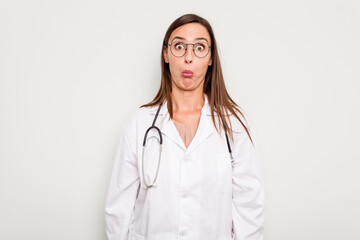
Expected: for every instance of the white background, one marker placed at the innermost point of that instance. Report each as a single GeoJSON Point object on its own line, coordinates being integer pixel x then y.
{"type": "Point", "coordinates": [71, 72]}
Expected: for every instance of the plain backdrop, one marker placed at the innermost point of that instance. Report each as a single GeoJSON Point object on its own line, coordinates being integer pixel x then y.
{"type": "Point", "coordinates": [71, 73]}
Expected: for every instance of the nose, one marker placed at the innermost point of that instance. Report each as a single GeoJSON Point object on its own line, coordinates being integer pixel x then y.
{"type": "Point", "coordinates": [189, 55]}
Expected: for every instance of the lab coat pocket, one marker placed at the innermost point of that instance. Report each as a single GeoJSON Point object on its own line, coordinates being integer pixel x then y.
{"type": "Point", "coordinates": [224, 172]}
{"type": "Point", "coordinates": [135, 236]}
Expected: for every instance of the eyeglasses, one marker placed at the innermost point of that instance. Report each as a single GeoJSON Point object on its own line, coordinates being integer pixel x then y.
{"type": "Point", "coordinates": [178, 49]}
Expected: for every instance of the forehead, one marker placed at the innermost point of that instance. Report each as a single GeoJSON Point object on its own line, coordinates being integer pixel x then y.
{"type": "Point", "coordinates": [190, 32]}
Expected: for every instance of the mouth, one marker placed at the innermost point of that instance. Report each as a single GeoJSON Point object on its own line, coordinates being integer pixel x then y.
{"type": "Point", "coordinates": [187, 73]}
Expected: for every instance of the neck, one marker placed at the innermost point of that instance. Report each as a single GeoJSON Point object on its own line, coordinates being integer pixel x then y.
{"type": "Point", "coordinates": [187, 101]}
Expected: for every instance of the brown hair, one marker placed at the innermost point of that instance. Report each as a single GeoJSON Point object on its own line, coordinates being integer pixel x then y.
{"type": "Point", "coordinates": [214, 85]}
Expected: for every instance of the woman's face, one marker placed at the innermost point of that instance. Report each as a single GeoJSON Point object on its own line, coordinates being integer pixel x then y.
{"type": "Point", "coordinates": [188, 33]}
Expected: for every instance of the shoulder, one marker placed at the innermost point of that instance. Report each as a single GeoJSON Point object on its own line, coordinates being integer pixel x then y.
{"type": "Point", "coordinates": [239, 127]}
{"type": "Point", "coordinates": [244, 131]}
{"type": "Point", "coordinates": [141, 112]}
{"type": "Point", "coordinates": [139, 116]}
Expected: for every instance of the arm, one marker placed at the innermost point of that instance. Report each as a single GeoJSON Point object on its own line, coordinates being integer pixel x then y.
{"type": "Point", "coordinates": [248, 190]}
{"type": "Point", "coordinates": [122, 192]}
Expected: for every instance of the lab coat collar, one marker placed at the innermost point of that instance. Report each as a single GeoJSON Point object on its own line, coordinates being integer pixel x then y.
{"type": "Point", "coordinates": [167, 127]}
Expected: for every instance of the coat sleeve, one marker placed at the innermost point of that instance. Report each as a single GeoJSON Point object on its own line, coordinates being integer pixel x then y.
{"type": "Point", "coordinates": [123, 187]}
{"type": "Point", "coordinates": [248, 210]}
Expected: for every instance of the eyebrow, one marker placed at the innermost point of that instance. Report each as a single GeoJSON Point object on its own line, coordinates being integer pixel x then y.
{"type": "Point", "coordinates": [181, 38]}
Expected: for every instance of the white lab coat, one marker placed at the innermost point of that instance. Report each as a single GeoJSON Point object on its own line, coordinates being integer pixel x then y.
{"type": "Point", "coordinates": [199, 195]}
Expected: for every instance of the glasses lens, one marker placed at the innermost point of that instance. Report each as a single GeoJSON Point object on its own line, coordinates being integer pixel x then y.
{"type": "Point", "coordinates": [178, 49]}
{"type": "Point", "coordinates": [201, 49]}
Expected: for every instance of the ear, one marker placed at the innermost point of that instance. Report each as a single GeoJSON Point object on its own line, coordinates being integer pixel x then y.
{"type": "Point", "coordinates": [210, 63]}
{"type": "Point", "coordinates": [165, 55]}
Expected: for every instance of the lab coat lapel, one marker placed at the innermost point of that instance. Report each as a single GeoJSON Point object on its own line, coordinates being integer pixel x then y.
{"type": "Point", "coordinates": [166, 125]}
{"type": "Point", "coordinates": [205, 128]}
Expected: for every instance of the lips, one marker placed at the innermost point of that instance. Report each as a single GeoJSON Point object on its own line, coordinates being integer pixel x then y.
{"type": "Point", "coordinates": [187, 73]}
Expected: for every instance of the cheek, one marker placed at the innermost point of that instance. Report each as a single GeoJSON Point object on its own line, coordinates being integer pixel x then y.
{"type": "Point", "coordinates": [173, 71]}
{"type": "Point", "coordinates": [204, 67]}
{"type": "Point", "coordinates": [173, 64]}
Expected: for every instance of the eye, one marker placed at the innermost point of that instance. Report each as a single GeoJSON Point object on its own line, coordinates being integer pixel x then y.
{"type": "Point", "coordinates": [179, 46]}
{"type": "Point", "coordinates": [199, 47]}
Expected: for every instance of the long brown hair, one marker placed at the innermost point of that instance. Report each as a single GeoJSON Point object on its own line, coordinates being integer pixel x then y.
{"type": "Point", "coordinates": [214, 85]}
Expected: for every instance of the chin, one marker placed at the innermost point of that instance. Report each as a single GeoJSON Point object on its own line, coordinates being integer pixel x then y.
{"type": "Point", "coordinates": [187, 84]}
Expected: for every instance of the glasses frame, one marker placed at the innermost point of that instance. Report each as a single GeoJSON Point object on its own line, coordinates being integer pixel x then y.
{"type": "Point", "coordinates": [186, 44]}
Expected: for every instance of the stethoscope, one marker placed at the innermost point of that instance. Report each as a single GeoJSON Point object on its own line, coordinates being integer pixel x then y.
{"type": "Point", "coordinates": [154, 183]}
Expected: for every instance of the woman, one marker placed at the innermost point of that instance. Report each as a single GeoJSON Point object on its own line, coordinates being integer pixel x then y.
{"type": "Point", "coordinates": [198, 176]}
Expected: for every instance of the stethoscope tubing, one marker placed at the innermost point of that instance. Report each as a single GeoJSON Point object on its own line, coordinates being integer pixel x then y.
{"type": "Point", "coordinates": [154, 184]}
